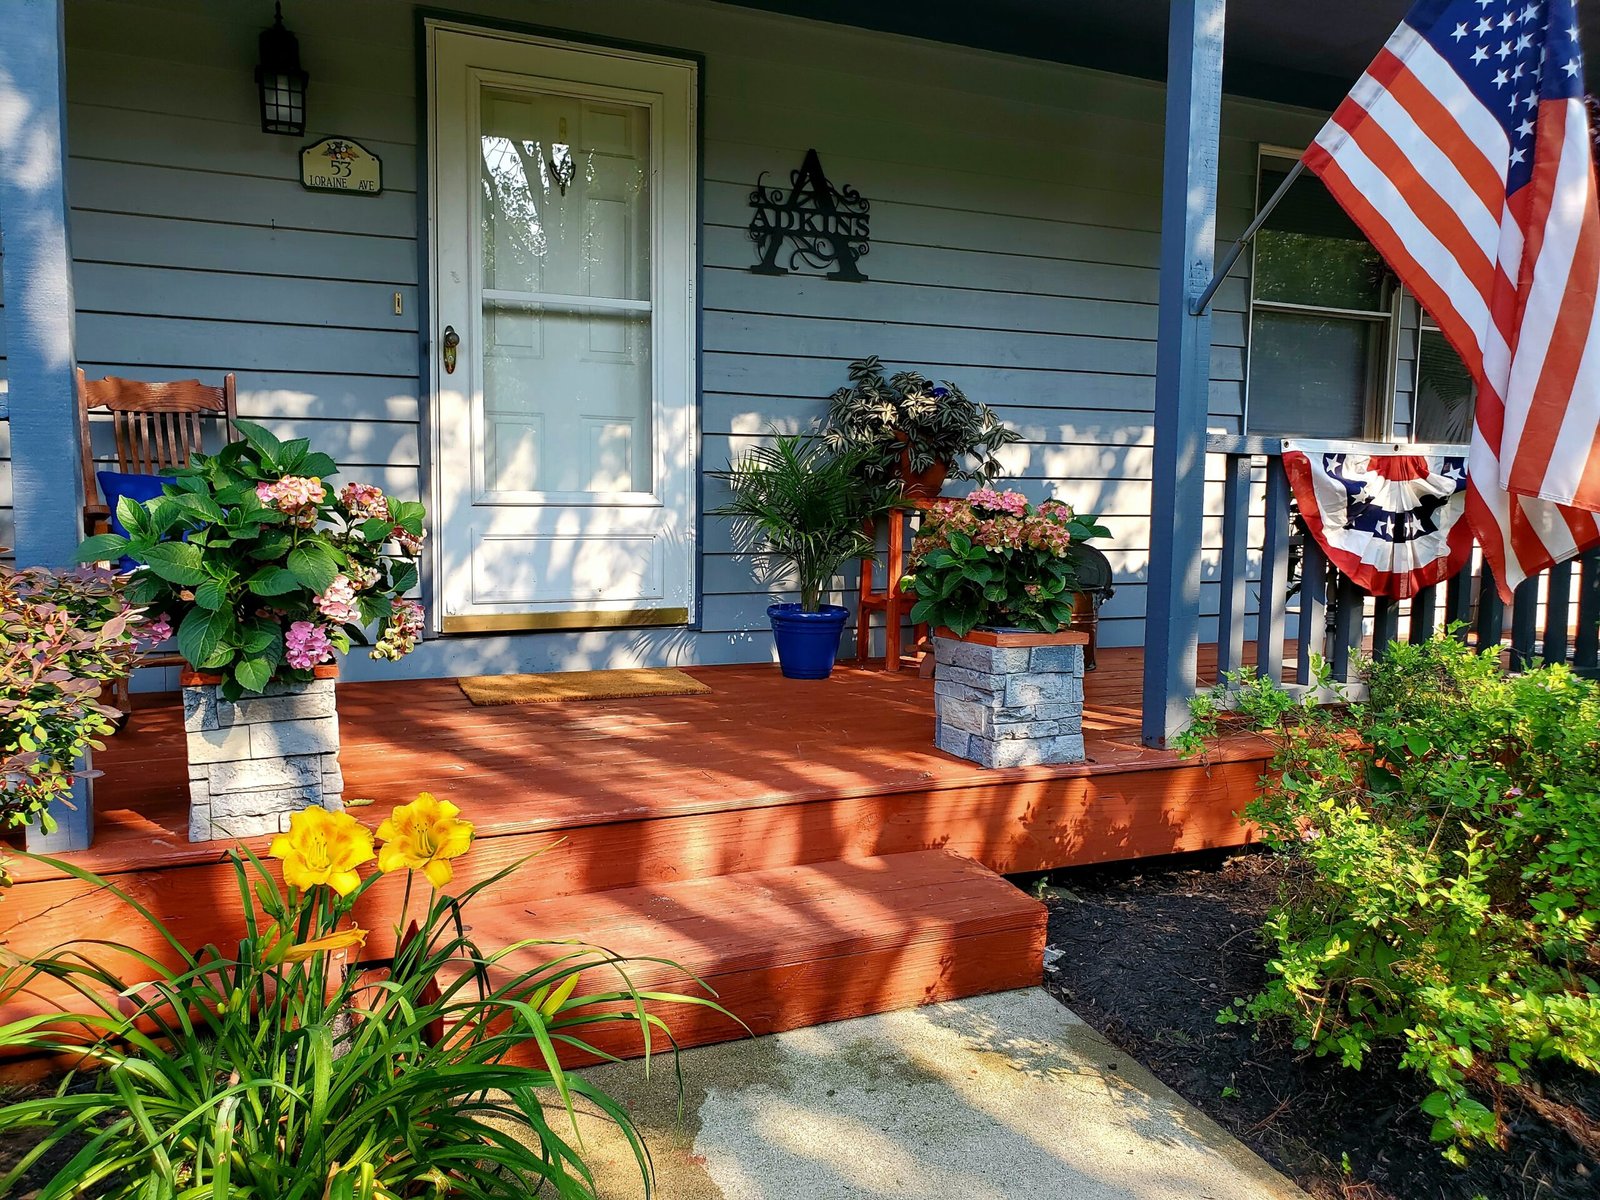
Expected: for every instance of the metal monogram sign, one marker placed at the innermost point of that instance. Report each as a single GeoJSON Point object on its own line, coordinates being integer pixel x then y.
{"type": "Point", "coordinates": [338, 164]}
{"type": "Point", "coordinates": [825, 226]}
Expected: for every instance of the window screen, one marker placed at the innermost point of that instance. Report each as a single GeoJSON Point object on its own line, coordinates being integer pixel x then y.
{"type": "Point", "coordinates": [1444, 399]}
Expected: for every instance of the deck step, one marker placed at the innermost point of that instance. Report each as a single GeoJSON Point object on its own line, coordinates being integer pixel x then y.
{"type": "Point", "coordinates": [795, 946]}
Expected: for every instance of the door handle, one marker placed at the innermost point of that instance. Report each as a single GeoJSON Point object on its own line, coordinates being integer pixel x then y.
{"type": "Point", "coordinates": [451, 340]}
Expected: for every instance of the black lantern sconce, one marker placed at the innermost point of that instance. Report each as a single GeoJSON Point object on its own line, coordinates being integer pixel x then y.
{"type": "Point", "coordinates": [281, 81]}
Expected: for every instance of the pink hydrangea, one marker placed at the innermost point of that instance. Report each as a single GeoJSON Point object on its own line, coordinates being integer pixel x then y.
{"type": "Point", "coordinates": [297, 495]}
{"type": "Point", "coordinates": [338, 602]}
{"type": "Point", "coordinates": [1012, 503]}
{"type": "Point", "coordinates": [306, 645]}
{"type": "Point", "coordinates": [154, 631]}
{"type": "Point", "coordinates": [411, 543]}
{"type": "Point", "coordinates": [363, 576]}
{"type": "Point", "coordinates": [400, 638]}
{"type": "Point", "coordinates": [364, 501]}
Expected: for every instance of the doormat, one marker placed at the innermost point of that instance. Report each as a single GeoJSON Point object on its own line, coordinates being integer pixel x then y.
{"type": "Point", "coordinates": [624, 683]}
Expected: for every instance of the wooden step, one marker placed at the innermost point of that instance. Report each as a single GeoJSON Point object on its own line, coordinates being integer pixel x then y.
{"type": "Point", "coordinates": [801, 945]}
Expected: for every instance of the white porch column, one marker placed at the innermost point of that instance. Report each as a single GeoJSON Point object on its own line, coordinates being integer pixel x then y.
{"type": "Point", "coordinates": [46, 475]}
{"type": "Point", "coordinates": [1183, 363]}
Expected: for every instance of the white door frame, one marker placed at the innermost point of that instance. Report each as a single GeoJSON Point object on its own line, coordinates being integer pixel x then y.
{"type": "Point", "coordinates": [681, 608]}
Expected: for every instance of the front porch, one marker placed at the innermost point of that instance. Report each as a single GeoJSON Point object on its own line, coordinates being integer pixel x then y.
{"type": "Point", "coordinates": [803, 847]}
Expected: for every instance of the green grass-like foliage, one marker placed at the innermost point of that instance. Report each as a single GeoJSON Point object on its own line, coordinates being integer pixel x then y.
{"type": "Point", "coordinates": [805, 504]}
{"type": "Point", "coordinates": [268, 1071]}
{"type": "Point", "coordinates": [1446, 843]}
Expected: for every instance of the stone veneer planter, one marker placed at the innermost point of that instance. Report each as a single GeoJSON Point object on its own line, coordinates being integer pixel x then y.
{"type": "Point", "coordinates": [256, 760]}
{"type": "Point", "coordinates": [1009, 699]}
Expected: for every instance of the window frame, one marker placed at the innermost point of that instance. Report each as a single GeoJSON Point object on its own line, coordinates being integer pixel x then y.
{"type": "Point", "coordinates": [1378, 414]}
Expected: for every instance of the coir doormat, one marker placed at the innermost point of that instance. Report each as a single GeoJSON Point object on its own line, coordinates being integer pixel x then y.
{"type": "Point", "coordinates": [625, 683]}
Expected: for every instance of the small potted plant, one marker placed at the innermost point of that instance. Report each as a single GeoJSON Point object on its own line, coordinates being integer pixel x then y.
{"type": "Point", "coordinates": [915, 430]}
{"type": "Point", "coordinates": [263, 572]}
{"type": "Point", "coordinates": [63, 635]}
{"type": "Point", "coordinates": [996, 578]}
{"type": "Point", "coordinates": [806, 505]}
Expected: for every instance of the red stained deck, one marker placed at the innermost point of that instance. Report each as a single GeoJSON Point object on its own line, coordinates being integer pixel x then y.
{"type": "Point", "coordinates": [650, 799]}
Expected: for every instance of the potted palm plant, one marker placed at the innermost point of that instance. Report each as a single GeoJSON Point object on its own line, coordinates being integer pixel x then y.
{"type": "Point", "coordinates": [915, 430]}
{"type": "Point", "coordinates": [806, 505]}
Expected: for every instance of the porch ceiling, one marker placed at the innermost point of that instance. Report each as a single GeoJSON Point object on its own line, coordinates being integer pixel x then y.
{"type": "Point", "coordinates": [1293, 53]}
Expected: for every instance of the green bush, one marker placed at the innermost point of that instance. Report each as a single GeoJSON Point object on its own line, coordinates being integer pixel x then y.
{"type": "Point", "coordinates": [1445, 890]}
{"type": "Point", "coordinates": [62, 635]}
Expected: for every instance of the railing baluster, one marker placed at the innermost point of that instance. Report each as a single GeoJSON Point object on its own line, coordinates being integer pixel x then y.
{"type": "Point", "coordinates": [1424, 614]}
{"type": "Point", "coordinates": [1586, 645]}
{"type": "Point", "coordinates": [1313, 608]}
{"type": "Point", "coordinates": [1385, 624]}
{"type": "Point", "coordinates": [1235, 563]}
{"type": "Point", "coordinates": [1557, 612]}
{"type": "Point", "coordinates": [1347, 626]}
{"type": "Point", "coordinates": [1524, 623]}
{"type": "Point", "coordinates": [1491, 624]}
{"type": "Point", "coordinates": [1458, 602]}
{"type": "Point", "coordinates": [1274, 574]}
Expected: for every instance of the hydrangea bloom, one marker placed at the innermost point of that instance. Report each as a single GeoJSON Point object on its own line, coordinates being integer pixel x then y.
{"type": "Point", "coordinates": [297, 495]}
{"type": "Point", "coordinates": [338, 603]}
{"type": "Point", "coordinates": [400, 638]}
{"type": "Point", "coordinates": [364, 577]}
{"type": "Point", "coordinates": [306, 645]}
{"type": "Point", "coordinates": [364, 501]}
{"type": "Point", "coordinates": [411, 543]}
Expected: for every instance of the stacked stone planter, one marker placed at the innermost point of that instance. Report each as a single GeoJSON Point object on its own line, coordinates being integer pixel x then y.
{"type": "Point", "coordinates": [255, 761]}
{"type": "Point", "coordinates": [1009, 699]}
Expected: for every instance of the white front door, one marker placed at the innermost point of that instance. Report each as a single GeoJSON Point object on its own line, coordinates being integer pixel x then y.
{"type": "Point", "coordinates": [563, 249]}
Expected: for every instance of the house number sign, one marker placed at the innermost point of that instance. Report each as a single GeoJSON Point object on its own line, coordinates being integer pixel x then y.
{"type": "Point", "coordinates": [339, 164]}
{"type": "Point", "coordinates": [816, 224]}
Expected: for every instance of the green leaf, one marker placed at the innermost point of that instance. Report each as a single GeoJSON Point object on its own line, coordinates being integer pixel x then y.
{"type": "Point", "coordinates": [266, 446]}
{"type": "Point", "coordinates": [135, 518]}
{"type": "Point", "coordinates": [253, 673]}
{"type": "Point", "coordinates": [314, 566]}
{"type": "Point", "coordinates": [176, 562]}
{"type": "Point", "coordinates": [273, 581]}
{"type": "Point", "coordinates": [202, 635]}
{"type": "Point", "coordinates": [291, 458]}
{"type": "Point", "coordinates": [273, 544]}
{"type": "Point", "coordinates": [375, 530]}
{"type": "Point", "coordinates": [403, 578]}
{"type": "Point", "coordinates": [318, 464]}
{"type": "Point", "coordinates": [102, 547]}
{"type": "Point", "coordinates": [211, 595]}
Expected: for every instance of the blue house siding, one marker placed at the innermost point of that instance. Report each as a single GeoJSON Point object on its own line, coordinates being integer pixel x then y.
{"type": "Point", "coordinates": [1015, 216]}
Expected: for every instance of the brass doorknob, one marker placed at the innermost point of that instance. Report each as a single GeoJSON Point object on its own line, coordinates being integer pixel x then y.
{"type": "Point", "coordinates": [451, 340]}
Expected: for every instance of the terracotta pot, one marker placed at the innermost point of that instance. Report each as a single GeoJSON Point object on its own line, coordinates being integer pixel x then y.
{"type": "Point", "coordinates": [921, 485]}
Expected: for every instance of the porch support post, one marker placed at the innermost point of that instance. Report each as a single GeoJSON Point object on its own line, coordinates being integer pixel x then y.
{"type": "Point", "coordinates": [46, 471]}
{"type": "Point", "coordinates": [1183, 363]}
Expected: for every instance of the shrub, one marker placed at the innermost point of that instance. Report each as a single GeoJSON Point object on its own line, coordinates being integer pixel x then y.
{"type": "Point", "coordinates": [62, 635]}
{"type": "Point", "coordinates": [1446, 840]}
{"type": "Point", "coordinates": [994, 559]}
{"type": "Point", "coordinates": [273, 1069]}
{"type": "Point", "coordinates": [265, 571]}
{"type": "Point", "coordinates": [932, 423]}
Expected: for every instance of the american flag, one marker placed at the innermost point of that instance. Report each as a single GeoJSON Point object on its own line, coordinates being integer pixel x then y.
{"type": "Point", "coordinates": [1464, 155]}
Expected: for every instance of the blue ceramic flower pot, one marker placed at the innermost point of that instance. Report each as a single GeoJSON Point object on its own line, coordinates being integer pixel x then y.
{"type": "Point", "coordinates": [808, 642]}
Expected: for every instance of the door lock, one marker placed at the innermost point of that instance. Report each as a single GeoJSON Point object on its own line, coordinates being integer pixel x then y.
{"type": "Point", "coordinates": [451, 340]}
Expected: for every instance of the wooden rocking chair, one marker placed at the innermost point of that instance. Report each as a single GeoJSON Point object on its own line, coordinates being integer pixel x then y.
{"type": "Point", "coordinates": [156, 427]}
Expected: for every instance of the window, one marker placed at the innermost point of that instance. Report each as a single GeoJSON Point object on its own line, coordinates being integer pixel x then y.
{"type": "Point", "coordinates": [1442, 409]}
{"type": "Point", "coordinates": [1321, 311]}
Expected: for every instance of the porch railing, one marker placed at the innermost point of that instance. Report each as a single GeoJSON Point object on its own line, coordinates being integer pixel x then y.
{"type": "Point", "coordinates": [1277, 589]}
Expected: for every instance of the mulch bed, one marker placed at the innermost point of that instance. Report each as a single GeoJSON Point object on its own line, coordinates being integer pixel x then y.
{"type": "Point", "coordinates": [1152, 951]}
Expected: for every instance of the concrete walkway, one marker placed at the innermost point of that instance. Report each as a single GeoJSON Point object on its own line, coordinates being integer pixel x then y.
{"type": "Point", "coordinates": [1006, 1097]}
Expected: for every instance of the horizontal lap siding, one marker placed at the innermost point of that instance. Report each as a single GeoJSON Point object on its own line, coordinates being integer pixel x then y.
{"type": "Point", "coordinates": [1015, 242]}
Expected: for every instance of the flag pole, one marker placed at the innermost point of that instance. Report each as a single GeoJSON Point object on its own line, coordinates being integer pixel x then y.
{"type": "Point", "coordinates": [1201, 302]}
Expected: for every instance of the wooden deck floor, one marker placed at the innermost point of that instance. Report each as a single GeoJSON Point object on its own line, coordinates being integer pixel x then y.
{"type": "Point", "coordinates": [755, 741]}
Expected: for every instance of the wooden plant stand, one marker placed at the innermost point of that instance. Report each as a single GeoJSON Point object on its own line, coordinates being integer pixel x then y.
{"type": "Point", "coordinates": [890, 601]}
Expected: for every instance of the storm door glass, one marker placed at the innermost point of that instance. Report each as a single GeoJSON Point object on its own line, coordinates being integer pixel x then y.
{"type": "Point", "coordinates": [567, 404]}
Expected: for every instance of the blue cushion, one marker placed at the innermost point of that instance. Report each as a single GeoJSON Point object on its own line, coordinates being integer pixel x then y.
{"type": "Point", "coordinates": [114, 485]}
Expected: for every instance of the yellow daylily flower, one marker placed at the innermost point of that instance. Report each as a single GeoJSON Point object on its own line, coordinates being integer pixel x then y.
{"type": "Point", "coordinates": [323, 847]}
{"type": "Point", "coordinates": [424, 835]}
{"type": "Point", "coordinates": [341, 939]}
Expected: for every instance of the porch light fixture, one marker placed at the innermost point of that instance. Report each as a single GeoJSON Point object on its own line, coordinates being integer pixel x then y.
{"type": "Point", "coordinates": [281, 80]}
